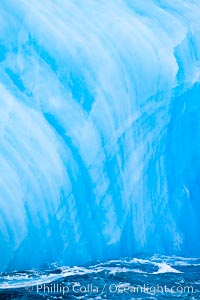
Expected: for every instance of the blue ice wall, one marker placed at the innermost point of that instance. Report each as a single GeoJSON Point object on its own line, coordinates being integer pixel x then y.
{"type": "Point", "coordinates": [99, 130]}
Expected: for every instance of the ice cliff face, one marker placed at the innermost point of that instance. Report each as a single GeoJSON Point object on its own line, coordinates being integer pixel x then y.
{"type": "Point", "coordinates": [99, 130]}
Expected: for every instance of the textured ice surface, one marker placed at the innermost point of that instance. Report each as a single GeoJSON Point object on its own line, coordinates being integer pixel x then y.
{"type": "Point", "coordinates": [99, 130]}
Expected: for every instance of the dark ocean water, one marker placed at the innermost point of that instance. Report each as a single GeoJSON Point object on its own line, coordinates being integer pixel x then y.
{"type": "Point", "coordinates": [157, 277]}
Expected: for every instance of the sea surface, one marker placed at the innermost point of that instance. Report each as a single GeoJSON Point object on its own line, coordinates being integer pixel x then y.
{"type": "Point", "coordinates": [156, 277]}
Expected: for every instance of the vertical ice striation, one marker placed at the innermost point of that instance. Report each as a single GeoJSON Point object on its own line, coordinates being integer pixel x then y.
{"type": "Point", "coordinates": [99, 130]}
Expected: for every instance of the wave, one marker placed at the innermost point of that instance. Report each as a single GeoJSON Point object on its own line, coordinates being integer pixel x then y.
{"type": "Point", "coordinates": [138, 266]}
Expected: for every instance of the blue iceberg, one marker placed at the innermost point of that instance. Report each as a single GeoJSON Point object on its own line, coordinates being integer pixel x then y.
{"type": "Point", "coordinates": [99, 130]}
